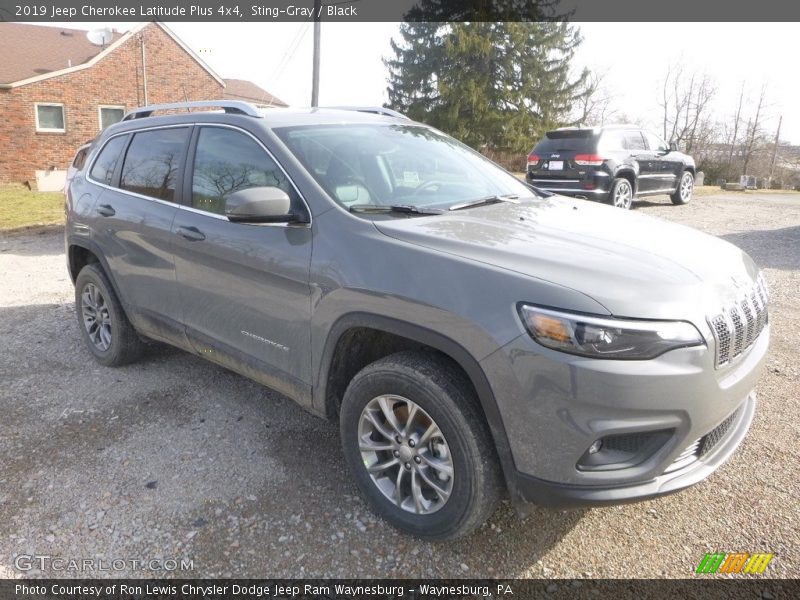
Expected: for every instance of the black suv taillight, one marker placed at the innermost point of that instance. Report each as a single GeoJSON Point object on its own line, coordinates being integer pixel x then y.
{"type": "Point", "coordinates": [588, 160]}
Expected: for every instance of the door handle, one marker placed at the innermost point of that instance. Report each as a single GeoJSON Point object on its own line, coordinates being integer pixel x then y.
{"type": "Point", "coordinates": [106, 210]}
{"type": "Point", "coordinates": [193, 234]}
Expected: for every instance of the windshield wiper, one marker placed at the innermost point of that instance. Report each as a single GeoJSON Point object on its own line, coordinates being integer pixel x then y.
{"type": "Point", "coordinates": [493, 199]}
{"type": "Point", "coordinates": [396, 208]}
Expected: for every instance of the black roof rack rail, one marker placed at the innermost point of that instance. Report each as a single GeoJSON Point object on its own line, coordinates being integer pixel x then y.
{"type": "Point", "coordinates": [378, 110]}
{"type": "Point", "coordinates": [236, 107]}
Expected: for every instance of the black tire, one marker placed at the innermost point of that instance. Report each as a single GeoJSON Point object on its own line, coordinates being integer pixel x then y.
{"type": "Point", "coordinates": [621, 194]}
{"type": "Point", "coordinates": [124, 345]}
{"type": "Point", "coordinates": [439, 388]}
{"type": "Point", "coordinates": [685, 189]}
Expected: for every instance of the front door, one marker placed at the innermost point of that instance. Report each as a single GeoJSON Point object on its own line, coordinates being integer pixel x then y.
{"type": "Point", "coordinates": [667, 167]}
{"type": "Point", "coordinates": [244, 288]}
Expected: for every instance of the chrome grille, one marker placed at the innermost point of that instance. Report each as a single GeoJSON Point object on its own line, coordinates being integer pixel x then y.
{"type": "Point", "coordinates": [739, 324]}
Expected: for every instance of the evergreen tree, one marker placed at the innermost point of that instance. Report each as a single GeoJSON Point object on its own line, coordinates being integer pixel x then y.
{"type": "Point", "coordinates": [497, 85]}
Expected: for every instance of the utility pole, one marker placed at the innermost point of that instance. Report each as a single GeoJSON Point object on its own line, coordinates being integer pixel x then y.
{"type": "Point", "coordinates": [775, 151]}
{"type": "Point", "coordinates": [315, 68]}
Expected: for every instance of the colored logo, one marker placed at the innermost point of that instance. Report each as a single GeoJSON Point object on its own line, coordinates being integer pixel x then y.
{"type": "Point", "coordinates": [734, 562]}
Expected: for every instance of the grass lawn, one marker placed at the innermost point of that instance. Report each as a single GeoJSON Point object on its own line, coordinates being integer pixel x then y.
{"type": "Point", "coordinates": [20, 208]}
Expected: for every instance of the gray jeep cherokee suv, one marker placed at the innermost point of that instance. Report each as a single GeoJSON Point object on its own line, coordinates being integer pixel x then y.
{"type": "Point", "coordinates": [469, 332]}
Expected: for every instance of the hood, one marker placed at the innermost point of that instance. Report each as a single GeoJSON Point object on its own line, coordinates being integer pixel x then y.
{"type": "Point", "coordinates": [634, 265]}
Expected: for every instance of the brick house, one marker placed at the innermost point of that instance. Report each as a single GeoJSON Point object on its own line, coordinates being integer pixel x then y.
{"type": "Point", "coordinates": [58, 90]}
{"type": "Point", "coordinates": [241, 89]}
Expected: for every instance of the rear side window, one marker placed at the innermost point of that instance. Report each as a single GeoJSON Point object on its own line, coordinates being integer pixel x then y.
{"type": "Point", "coordinates": [152, 161]}
{"type": "Point", "coordinates": [579, 140]}
{"type": "Point", "coordinates": [80, 158]}
{"type": "Point", "coordinates": [103, 169]}
{"type": "Point", "coordinates": [228, 161]}
{"type": "Point", "coordinates": [634, 140]}
{"type": "Point", "coordinates": [612, 140]}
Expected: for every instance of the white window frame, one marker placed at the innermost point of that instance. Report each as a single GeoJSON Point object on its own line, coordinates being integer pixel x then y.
{"type": "Point", "coordinates": [36, 106]}
{"type": "Point", "coordinates": [100, 108]}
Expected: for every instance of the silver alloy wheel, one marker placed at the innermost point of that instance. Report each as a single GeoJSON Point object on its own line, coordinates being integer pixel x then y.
{"type": "Point", "coordinates": [687, 185]}
{"type": "Point", "coordinates": [96, 318]}
{"type": "Point", "coordinates": [405, 454]}
{"type": "Point", "coordinates": [623, 195]}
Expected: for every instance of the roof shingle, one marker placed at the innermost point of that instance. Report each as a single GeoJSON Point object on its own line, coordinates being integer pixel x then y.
{"type": "Point", "coordinates": [241, 89]}
{"type": "Point", "coordinates": [33, 50]}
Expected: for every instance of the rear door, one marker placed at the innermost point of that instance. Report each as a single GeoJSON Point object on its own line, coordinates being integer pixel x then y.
{"type": "Point", "coordinates": [244, 288]}
{"type": "Point", "coordinates": [670, 163]}
{"type": "Point", "coordinates": [133, 223]}
{"type": "Point", "coordinates": [647, 160]}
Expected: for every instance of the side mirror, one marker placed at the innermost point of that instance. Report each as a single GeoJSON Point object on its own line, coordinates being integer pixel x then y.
{"type": "Point", "coordinates": [673, 146]}
{"type": "Point", "coordinates": [259, 205]}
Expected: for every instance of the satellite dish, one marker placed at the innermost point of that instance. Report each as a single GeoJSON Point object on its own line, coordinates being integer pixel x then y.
{"type": "Point", "coordinates": [100, 37]}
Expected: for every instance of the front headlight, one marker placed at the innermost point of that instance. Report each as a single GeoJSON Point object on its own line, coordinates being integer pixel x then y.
{"type": "Point", "coordinates": [605, 337]}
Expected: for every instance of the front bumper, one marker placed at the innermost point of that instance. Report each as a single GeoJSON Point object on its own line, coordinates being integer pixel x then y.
{"type": "Point", "coordinates": [547, 493]}
{"type": "Point", "coordinates": [555, 406]}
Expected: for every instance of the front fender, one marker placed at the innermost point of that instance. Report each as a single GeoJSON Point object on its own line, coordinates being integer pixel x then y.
{"type": "Point", "coordinates": [421, 333]}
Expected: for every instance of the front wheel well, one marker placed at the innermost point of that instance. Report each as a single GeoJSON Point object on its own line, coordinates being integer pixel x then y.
{"type": "Point", "coordinates": [360, 346]}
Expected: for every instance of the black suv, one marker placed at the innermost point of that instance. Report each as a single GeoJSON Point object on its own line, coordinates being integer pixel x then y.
{"type": "Point", "coordinates": [611, 164]}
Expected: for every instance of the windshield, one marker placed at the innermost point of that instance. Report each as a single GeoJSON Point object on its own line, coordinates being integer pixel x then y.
{"type": "Point", "coordinates": [391, 165]}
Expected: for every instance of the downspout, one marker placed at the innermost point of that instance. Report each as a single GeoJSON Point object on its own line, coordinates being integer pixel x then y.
{"type": "Point", "coordinates": [144, 69]}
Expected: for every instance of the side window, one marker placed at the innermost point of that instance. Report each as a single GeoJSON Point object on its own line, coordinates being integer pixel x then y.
{"type": "Point", "coordinates": [152, 161]}
{"type": "Point", "coordinates": [103, 169]}
{"type": "Point", "coordinates": [612, 140]}
{"type": "Point", "coordinates": [80, 158]}
{"type": "Point", "coordinates": [634, 140]}
{"type": "Point", "coordinates": [655, 142]}
{"type": "Point", "coordinates": [227, 161]}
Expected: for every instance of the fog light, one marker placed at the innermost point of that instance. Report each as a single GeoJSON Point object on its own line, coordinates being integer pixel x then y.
{"type": "Point", "coordinates": [622, 450]}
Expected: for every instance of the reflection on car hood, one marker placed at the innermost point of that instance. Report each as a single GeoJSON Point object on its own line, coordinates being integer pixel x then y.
{"type": "Point", "coordinates": [634, 265]}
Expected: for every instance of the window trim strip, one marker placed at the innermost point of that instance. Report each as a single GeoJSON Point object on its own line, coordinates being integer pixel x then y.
{"type": "Point", "coordinates": [181, 205]}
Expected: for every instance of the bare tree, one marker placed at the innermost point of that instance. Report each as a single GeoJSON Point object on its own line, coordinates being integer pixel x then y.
{"type": "Point", "coordinates": [685, 102]}
{"type": "Point", "coordinates": [736, 121]}
{"type": "Point", "coordinates": [596, 107]}
{"type": "Point", "coordinates": [753, 131]}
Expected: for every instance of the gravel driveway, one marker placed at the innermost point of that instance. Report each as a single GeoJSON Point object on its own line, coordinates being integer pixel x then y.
{"type": "Point", "coordinates": [175, 458]}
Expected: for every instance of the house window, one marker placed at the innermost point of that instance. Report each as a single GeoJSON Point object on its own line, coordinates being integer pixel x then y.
{"type": "Point", "coordinates": [110, 115]}
{"type": "Point", "coordinates": [50, 117]}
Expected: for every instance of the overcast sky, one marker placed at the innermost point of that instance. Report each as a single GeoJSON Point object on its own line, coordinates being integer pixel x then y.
{"type": "Point", "coordinates": [634, 56]}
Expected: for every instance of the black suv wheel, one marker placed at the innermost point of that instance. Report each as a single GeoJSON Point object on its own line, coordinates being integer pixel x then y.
{"type": "Point", "coordinates": [418, 446]}
{"type": "Point", "coordinates": [685, 189]}
{"type": "Point", "coordinates": [621, 194]}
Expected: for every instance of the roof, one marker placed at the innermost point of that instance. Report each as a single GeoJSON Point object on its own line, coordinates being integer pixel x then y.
{"type": "Point", "coordinates": [241, 89]}
{"type": "Point", "coordinates": [34, 52]}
